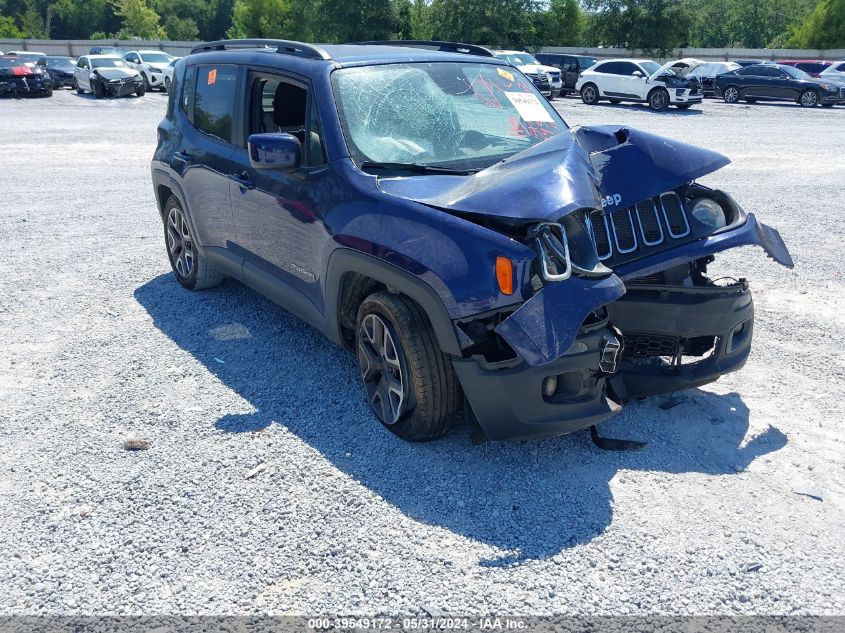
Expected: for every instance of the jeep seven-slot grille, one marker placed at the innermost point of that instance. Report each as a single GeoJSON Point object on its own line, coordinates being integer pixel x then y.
{"type": "Point", "coordinates": [627, 234]}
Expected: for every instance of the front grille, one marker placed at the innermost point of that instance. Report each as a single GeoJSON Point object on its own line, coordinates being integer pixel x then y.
{"type": "Point", "coordinates": [641, 345]}
{"type": "Point", "coordinates": [627, 234]}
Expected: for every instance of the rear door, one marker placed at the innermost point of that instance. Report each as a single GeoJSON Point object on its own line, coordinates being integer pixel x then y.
{"type": "Point", "coordinates": [755, 82]}
{"type": "Point", "coordinates": [205, 153]}
{"type": "Point", "coordinates": [278, 214]}
{"type": "Point", "coordinates": [607, 78]}
{"type": "Point", "coordinates": [80, 73]}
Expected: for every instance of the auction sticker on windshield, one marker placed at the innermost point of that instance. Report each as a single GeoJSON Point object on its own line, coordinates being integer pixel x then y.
{"type": "Point", "coordinates": [529, 107]}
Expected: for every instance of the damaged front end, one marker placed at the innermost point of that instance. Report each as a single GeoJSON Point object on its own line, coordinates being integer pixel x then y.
{"type": "Point", "coordinates": [622, 306]}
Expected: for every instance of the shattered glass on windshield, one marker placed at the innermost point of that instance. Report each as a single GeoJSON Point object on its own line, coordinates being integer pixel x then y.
{"type": "Point", "coordinates": [445, 114]}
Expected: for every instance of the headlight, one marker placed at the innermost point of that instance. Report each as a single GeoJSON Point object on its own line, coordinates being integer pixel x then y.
{"type": "Point", "coordinates": [709, 212]}
{"type": "Point", "coordinates": [828, 87]}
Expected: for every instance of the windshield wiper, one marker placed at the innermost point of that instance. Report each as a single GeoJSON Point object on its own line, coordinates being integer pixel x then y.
{"type": "Point", "coordinates": [418, 168]}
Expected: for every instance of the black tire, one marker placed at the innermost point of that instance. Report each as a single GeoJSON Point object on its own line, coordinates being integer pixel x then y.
{"type": "Point", "coordinates": [141, 90]}
{"type": "Point", "coordinates": [615, 101]}
{"type": "Point", "coordinates": [684, 106]}
{"type": "Point", "coordinates": [202, 273]}
{"type": "Point", "coordinates": [809, 99]}
{"type": "Point", "coordinates": [430, 393]}
{"type": "Point", "coordinates": [731, 94]}
{"type": "Point", "coordinates": [76, 87]}
{"type": "Point", "coordinates": [146, 82]}
{"type": "Point", "coordinates": [658, 99]}
{"type": "Point", "coordinates": [167, 85]}
{"type": "Point", "coordinates": [590, 94]}
{"type": "Point", "coordinates": [97, 89]}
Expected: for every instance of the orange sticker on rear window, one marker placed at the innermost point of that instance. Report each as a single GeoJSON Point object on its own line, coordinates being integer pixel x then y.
{"type": "Point", "coordinates": [212, 76]}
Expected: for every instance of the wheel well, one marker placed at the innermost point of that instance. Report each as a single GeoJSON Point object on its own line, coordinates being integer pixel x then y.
{"type": "Point", "coordinates": [354, 288]}
{"type": "Point", "coordinates": [655, 89]}
{"type": "Point", "coordinates": [163, 194]}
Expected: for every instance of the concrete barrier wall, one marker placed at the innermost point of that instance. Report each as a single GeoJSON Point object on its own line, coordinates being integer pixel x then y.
{"type": "Point", "coordinates": [81, 47]}
{"type": "Point", "coordinates": [707, 54]}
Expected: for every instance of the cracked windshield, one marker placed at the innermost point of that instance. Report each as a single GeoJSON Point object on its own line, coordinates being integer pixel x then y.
{"type": "Point", "coordinates": [451, 115]}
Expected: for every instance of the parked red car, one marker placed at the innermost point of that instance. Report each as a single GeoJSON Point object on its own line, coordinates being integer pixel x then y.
{"type": "Point", "coordinates": [813, 67]}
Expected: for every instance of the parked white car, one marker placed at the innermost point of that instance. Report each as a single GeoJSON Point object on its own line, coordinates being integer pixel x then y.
{"type": "Point", "coordinates": [546, 78]}
{"type": "Point", "coordinates": [641, 80]}
{"type": "Point", "coordinates": [151, 65]}
{"type": "Point", "coordinates": [168, 73]}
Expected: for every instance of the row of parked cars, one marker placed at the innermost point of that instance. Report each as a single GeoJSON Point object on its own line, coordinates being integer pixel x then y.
{"type": "Point", "coordinates": [681, 83]}
{"type": "Point", "coordinates": [105, 71]}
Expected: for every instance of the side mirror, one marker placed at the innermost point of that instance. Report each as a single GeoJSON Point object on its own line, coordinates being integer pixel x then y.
{"type": "Point", "coordinates": [637, 73]}
{"type": "Point", "coordinates": [275, 151]}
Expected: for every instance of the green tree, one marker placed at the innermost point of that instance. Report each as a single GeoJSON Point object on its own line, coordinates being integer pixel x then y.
{"type": "Point", "coordinates": [498, 23]}
{"type": "Point", "coordinates": [562, 24]}
{"type": "Point", "coordinates": [8, 30]}
{"type": "Point", "coordinates": [653, 26]}
{"type": "Point", "coordinates": [263, 18]}
{"type": "Point", "coordinates": [345, 21]}
{"type": "Point", "coordinates": [824, 28]}
{"type": "Point", "coordinates": [140, 20]}
{"type": "Point", "coordinates": [33, 25]}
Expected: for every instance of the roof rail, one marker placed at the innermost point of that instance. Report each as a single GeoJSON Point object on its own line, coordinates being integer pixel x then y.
{"type": "Point", "coordinates": [446, 47]}
{"type": "Point", "coordinates": [285, 47]}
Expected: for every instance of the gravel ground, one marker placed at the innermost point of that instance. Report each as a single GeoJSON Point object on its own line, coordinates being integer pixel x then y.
{"type": "Point", "coordinates": [101, 345]}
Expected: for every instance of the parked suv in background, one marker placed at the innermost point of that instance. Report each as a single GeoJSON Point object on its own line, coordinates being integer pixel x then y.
{"type": "Point", "coordinates": [546, 78]}
{"type": "Point", "coordinates": [433, 213]}
{"type": "Point", "coordinates": [570, 67]}
{"type": "Point", "coordinates": [151, 65]}
{"type": "Point", "coordinates": [640, 80]}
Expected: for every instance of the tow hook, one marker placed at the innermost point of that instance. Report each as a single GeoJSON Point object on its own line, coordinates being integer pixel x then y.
{"type": "Point", "coordinates": [610, 354]}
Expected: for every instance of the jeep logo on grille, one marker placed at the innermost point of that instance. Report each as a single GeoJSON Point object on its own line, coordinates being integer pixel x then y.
{"type": "Point", "coordinates": [611, 201]}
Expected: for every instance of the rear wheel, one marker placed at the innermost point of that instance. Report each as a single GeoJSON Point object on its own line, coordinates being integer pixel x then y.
{"type": "Point", "coordinates": [731, 94]}
{"type": "Point", "coordinates": [409, 381]}
{"type": "Point", "coordinates": [809, 99]}
{"type": "Point", "coordinates": [590, 94]}
{"type": "Point", "coordinates": [658, 100]}
{"type": "Point", "coordinates": [76, 87]}
{"type": "Point", "coordinates": [192, 269]}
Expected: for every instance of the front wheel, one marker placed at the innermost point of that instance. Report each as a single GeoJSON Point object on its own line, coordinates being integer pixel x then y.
{"type": "Point", "coordinates": [192, 269]}
{"type": "Point", "coordinates": [410, 384]}
{"type": "Point", "coordinates": [590, 94]}
{"type": "Point", "coordinates": [658, 100]}
{"type": "Point", "coordinates": [146, 82]}
{"type": "Point", "coordinates": [97, 89]}
{"type": "Point", "coordinates": [731, 94]}
{"type": "Point", "coordinates": [140, 90]}
{"type": "Point", "coordinates": [809, 99]}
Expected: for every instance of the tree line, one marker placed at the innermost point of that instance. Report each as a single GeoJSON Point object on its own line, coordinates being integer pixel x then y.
{"type": "Point", "coordinates": [653, 26]}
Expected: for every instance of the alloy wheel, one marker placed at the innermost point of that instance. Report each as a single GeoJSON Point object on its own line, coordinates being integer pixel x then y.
{"type": "Point", "coordinates": [380, 362]}
{"type": "Point", "coordinates": [179, 243]}
{"type": "Point", "coordinates": [809, 99]}
{"type": "Point", "coordinates": [658, 100]}
{"type": "Point", "coordinates": [589, 94]}
{"type": "Point", "coordinates": [731, 95]}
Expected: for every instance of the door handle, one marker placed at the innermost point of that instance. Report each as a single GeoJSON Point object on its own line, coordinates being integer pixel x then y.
{"type": "Point", "coordinates": [243, 180]}
{"type": "Point", "coordinates": [183, 156]}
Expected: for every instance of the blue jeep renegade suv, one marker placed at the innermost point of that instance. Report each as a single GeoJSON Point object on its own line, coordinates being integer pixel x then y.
{"type": "Point", "coordinates": [422, 204]}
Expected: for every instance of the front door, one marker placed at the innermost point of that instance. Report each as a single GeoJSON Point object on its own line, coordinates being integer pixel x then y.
{"type": "Point", "coordinates": [278, 216]}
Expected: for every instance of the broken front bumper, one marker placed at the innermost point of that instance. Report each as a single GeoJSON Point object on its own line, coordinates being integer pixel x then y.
{"type": "Point", "coordinates": [509, 403]}
{"type": "Point", "coordinates": [679, 337]}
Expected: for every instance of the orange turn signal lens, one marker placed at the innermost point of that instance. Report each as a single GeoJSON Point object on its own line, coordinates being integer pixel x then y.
{"type": "Point", "coordinates": [504, 275]}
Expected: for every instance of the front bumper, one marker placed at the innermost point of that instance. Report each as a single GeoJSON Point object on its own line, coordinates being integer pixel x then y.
{"type": "Point", "coordinates": [677, 338]}
{"type": "Point", "coordinates": [508, 403]}
{"type": "Point", "coordinates": [714, 324]}
{"type": "Point", "coordinates": [26, 86]}
{"type": "Point", "coordinates": [684, 95]}
{"type": "Point", "coordinates": [123, 89]}
{"type": "Point", "coordinates": [833, 96]}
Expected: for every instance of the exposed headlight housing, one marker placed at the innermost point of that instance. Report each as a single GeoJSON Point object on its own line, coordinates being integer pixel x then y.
{"type": "Point", "coordinates": [709, 212]}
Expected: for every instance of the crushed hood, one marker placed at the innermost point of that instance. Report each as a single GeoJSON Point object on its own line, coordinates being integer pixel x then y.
{"type": "Point", "coordinates": [116, 73]}
{"type": "Point", "coordinates": [679, 67]}
{"type": "Point", "coordinates": [587, 167]}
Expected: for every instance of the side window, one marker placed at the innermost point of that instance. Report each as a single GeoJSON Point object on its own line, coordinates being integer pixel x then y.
{"type": "Point", "coordinates": [278, 105]}
{"type": "Point", "coordinates": [603, 68]}
{"type": "Point", "coordinates": [214, 100]}
{"type": "Point", "coordinates": [628, 69]}
{"type": "Point", "coordinates": [841, 68]}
